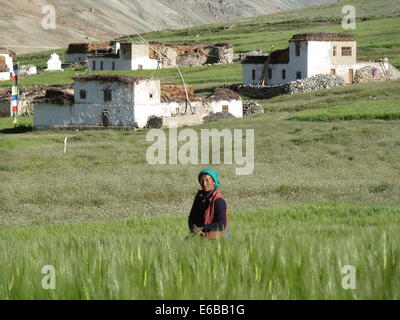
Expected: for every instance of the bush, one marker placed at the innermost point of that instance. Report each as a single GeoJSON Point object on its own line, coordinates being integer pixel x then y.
{"type": "Point", "coordinates": [154, 122]}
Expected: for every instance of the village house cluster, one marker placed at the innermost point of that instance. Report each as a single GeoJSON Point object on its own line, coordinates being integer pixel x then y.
{"type": "Point", "coordinates": [116, 100]}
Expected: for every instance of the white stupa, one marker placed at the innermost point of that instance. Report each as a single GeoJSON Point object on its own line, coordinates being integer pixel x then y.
{"type": "Point", "coordinates": [54, 64]}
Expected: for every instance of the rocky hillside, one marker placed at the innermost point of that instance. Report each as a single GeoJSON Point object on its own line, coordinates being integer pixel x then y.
{"type": "Point", "coordinates": [21, 21]}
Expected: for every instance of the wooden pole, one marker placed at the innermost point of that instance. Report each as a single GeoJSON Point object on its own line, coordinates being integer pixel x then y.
{"type": "Point", "coordinates": [65, 144]}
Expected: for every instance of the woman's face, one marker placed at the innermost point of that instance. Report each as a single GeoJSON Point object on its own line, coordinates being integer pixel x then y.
{"type": "Point", "coordinates": [207, 183]}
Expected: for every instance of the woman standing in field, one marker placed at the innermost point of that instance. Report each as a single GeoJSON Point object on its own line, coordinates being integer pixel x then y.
{"type": "Point", "coordinates": [209, 215]}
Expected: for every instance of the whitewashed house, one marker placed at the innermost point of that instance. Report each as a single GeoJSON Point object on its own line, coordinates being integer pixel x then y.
{"type": "Point", "coordinates": [116, 100]}
{"type": "Point", "coordinates": [223, 100]}
{"type": "Point", "coordinates": [123, 56]}
{"type": "Point", "coordinates": [6, 63]}
{"type": "Point", "coordinates": [308, 54]}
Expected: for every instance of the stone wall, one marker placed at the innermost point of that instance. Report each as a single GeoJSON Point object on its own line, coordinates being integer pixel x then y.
{"type": "Point", "coordinates": [317, 82]}
{"type": "Point", "coordinates": [187, 120]}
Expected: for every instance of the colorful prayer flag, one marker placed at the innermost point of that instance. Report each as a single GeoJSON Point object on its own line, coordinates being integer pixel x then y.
{"type": "Point", "coordinates": [14, 93]}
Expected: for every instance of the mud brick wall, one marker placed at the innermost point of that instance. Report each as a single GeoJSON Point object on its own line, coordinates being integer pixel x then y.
{"type": "Point", "coordinates": [187, 120]}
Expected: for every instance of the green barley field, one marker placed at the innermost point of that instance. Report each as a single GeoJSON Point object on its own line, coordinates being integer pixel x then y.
{"type": "Point", "coordinates": [324, 193]}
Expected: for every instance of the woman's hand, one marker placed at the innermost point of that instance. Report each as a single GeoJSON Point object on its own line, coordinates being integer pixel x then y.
{"type": "Point", "coordinates": [198, 230]}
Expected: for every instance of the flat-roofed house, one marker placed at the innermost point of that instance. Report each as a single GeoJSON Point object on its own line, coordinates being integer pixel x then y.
{"type": "Point", "coordinates": [123, 56]}
{"type": "Point", "coordinates": [308, 54]}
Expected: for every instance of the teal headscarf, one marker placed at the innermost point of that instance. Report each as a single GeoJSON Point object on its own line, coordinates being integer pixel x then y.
{"type": "Point", "coordinates": [213, 175]}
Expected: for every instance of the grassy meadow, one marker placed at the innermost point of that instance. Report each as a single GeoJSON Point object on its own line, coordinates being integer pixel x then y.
{"type": "Point", "coordinates": [324, 193]}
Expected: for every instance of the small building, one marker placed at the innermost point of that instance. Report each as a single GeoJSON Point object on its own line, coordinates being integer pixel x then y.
{"type": "Point", "coordinates": [125, 101]}
{"type": "Point", "coordinates": [308, 54]}
{"type": "Point", "coordinates": [225, 100]}
{"type": "Point", "coordinates": [123, 56]}
{"type": "Point", "coordinates": [6, 63]}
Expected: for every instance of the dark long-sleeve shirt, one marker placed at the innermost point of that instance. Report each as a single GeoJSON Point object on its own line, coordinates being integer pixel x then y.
{"type": "Point", "coordinates": [200, 204]}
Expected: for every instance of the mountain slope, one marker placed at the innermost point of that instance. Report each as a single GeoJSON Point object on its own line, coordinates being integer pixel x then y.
{"type": "Point", "coordinates": [83, 20]}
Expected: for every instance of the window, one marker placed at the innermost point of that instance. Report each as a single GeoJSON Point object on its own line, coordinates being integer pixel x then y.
{"type": "Point", "coordinates": [298, 44]}
{"type": "Point", "coordinates": [140, 67]}
{"type": "Point", "coordinates": [346, 51]}
{"type": "Point", "coordinates": [225, 108]}
{"type": "Point", "coordinates": [333, 71]}
{"type": "Point", "coordinates": [83, 94]}
{"type": "Point", "coordinates": [269, 73]}
{"type": "Point", "coordinates": [253, 74]}
{"type": "Point", "coordinates": [283, 74]}
{"type": "Point", "coordinates": [94, 65]}
{"type": "Point", "coordinates": [151, 96]}
{"type": "Point", "coordinates": [101, 65]}
{"type": "Point", "coordinates": [334, 51]}
{"type": "Point", "coordinates": [298, 75]}
{"type": "Point", "coordinates": [113, 65]}
{"type": "Point", "coordinates": [107, 94]}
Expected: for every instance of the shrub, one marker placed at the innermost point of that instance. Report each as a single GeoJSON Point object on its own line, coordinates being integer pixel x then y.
{"type": "Point", "coordinates": [154, 122]}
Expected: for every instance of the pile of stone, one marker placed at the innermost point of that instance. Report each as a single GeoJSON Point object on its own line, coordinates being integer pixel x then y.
{"type": "Point", "coordinates": [371, 73]}
{"type": "Point", "coordinates": [221, 53]}
{"type": "Point", "coordinates": [317, 82]}
{"type": "Point", "coordinates": [252, 107]}
{"type": "Point", "coordinates": [218, 116]}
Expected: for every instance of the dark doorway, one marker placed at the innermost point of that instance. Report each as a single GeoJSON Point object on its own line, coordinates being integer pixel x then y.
{"type": "Point", "coordinates": [105, 118]}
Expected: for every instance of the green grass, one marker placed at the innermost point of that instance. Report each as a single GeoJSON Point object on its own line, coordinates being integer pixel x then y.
{"type": "Point", "coordinates": [8, 122]}
{"type": "Point", "coordinates": [323, 99]}
{"type": "Point", "coordinates": [376, 109]}
{"type": "Point", "coordinates": [295, 252]}
{"type": "Point", "coordinates": [324, 194]}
